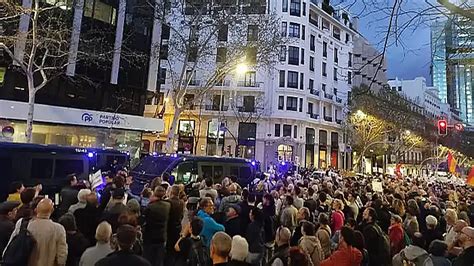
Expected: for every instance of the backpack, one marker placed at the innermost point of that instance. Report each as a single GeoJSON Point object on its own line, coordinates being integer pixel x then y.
{"type": "Point", "coordinates": [382, 241]}
{"type": "Point", "coordinates": [425, 260]}
{"type": "Point", "coordinates": [20, 248]}
{"type": "Point", "coordinates": [198, 255]}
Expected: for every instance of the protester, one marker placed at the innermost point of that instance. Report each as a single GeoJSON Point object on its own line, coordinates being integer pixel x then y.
{"type": "Point", "coordinates": [288, 217]}
{"type": "Point", "coordinates": [174, 223]}
{"type": "Point", "coordinates": [189, 247]}
{"type": "Point", "coordinates": [431, 233]}
{"type": "Point", "coordinates": [101, 248]}
{"type": "Point", "coordinates": [126, 236]}
{"type": "Point", "coordinates": [238, 252]}
{"type": "Point", "coordinates": [375, 240]}
{"type": "Point", "coordinates": [233, 224]}
{"type": "Point", "coordinates": [208, 190]}
{"type": "Point", "coordinates": [81, 200]}
{"type": "Point", "coordinates": [255, 237]}
{"type": "Point", "coordinates": [210, 227]}
{"type": "Point", "coordinates": [115, 208]}
{"type": "Point", "coordinates": [467, 241]}
{"type": "Point", "coordinates": [76, 241]}
{"type": "Point", "coordinates": [302, 216]}
{"type": "Point", "coordinates": [220, 246]}
{"type": "Point", "coordinates": [310, 244]}
{"type": "Point", "coordinates": [282, 249]}
{"type": "Point", "coordinates": [68, 194]}
{"type": "Point", "coordinates": [15, 190]}
{"type": "Point", "coordinates": [346, 254]}
{"type": "Point", "coordinates": [324, 234]}
{"type": "Point", "coordinates": [438, 252]}
{"type": "Point", "coordinates": [396, 234]}
{"type": "Point", "coordinates": [7, 225]}
{"type": "Point", "coordinates": [414, 253]}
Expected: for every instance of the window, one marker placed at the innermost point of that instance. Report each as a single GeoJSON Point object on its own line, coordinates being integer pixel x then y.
{"type": "Point", "coordinates": [325, 24]}
{"type": "Point", "coordinates": [291, 103]}
{"type": "Point", "coordinates": [286, 130]}
{"type": "Point", "coordinates": [336, 33]}
{"type": "Point", "coordinates": [311, 63]}
{"type": "Point", "coordinates": [348, 38]}
{"type": "Point", "coordinates": [302, 56]}
{"type": "Point", "coordinates": [41, 168]}
{"type": "Point", "coordinates": [336, 58]}
{"type": "Point", "coordinates": [252, 32]}
{"type": "Point", "coordinates": [295, 8]}
{"type": "Point", "coordinates": [294, 30]}
{"type": "Point", "coordinates": [250, 79]}
{"type": "Point", "coordinates": [221, 55]}
{"type": "Point", "coordinates": [323, 87]}
{"type": "Point", "coordinates": [349, 77]}
{"type": "Point", "coordinates": [293, 55]}
{"type": "Point", "coordinates": [312, 40]}
{"type": "Point", "coordinates": [277, 130]}
{"type": "Point", "coordinates": [162, 75]}
{"type": "Point", "coordinates": [66, 167]}
{"type": "Point", "coordinates": [283, 53]}
{"type": "Point", "coordinates": [164, 51]}
{"type": "Point", "coordinates": [325, 49]}
{"type": "Point", "coordinates": [310, 108]}
{"type": "Point", "coordinates": [292, 79]}
{"type": "Point", "coordinates": [399, 88]}
{"type": "Point", "coordinates": [300, 107]}
{"type": "Point", "coordinates": [281, 102]}
{"type": "Point", "coordinates": [193, 54]}
{"type": "Point", "coordinates": [304, 9]}
{"type": "Point", "coordinates": [335, 74]}
{"type": "Point", "coordinates": [325, 74]}
{"type": "Point", "coordinates": [222, 33]}
{"type": "Point", "coordinates": [350, 60]}
{"type": "Point", "coordinates": [165, 32]}
{"type": "Point", "coordinates": [282, 78]}
{"type": "Point", "coordinates": [313, 18]}
{"type": "Point", "coordinates": [284, 26]}
{"type": "Point", "coordinates": [335, 91]}
{"type": "Point", "coordinates": [311, 84]}
{"type": "Point", "coordinates": [186, 128]}
{"type": "Point", "coordinates": [295, 132]}
{"type": "Point", "coordinates": [216, 102]}
{"type": "Point", "coordinates": [188, 100]}
{"type": "Point", "coordinates": [251, 55]}
{"type": "Point", "coordinates": [301, 81]}
{"type": "Point", "coordinates": [303, 32]}
{"type": "Point", "coordinates": [249, 104]}
{"type": "Point", "coordinates": [284, 5]}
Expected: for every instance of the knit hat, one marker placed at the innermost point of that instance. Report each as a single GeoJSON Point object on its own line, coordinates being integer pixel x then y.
{"type": "Point", "coordinates": [431, 220]}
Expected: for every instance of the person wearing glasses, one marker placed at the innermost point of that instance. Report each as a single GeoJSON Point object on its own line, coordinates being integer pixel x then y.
{"type": "Point", "coordinates": [206, 209]}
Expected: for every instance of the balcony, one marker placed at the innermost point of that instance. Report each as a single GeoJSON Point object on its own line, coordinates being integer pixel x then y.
{"type": "Point", "coordinates": [248, 84]}
{"type": "Point", "coordinates": [328, 118]}
{"type": "Point", "coordinates": [223, 83]}
{"type": "Point", "coordinates": [328, 96]}
{"type": "Point", "coordinates": [314, 92]}
{"type": "Point", "coordinates": [314, 116]}
{"type": "Point", "coordinates": [338, 100]}
{"type": "Point", "coordinates": [213, 107]}
{"type": "Point", "coordinates": [339, 121]}
{"type": "Point", "coordinates": [246, 109]}
{"type": "Point", "coordinates": [194, 82]}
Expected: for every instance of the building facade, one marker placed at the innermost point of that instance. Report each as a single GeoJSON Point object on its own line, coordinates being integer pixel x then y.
{"type": "Point", "coordinates": [292, 113]}
{"type": "Point", "coordinates": [453, 63]}
{"type": "Point", "coordinates": [88, 104]}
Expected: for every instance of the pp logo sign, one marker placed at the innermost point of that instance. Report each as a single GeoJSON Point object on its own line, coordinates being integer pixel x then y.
{"type": "Point", "coordinates": [86, 117]}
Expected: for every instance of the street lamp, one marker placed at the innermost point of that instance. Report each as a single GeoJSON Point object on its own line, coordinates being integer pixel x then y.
{"type": "Point", "coordinates": [407, 132]}
{"type": "Point", "coordinates": [241, 68]}
{"type": "Point", "coordinates": [361, 114]}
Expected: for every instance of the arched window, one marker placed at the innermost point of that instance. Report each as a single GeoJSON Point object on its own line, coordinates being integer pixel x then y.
{"type": "Point", "coordinates": [285, 152]}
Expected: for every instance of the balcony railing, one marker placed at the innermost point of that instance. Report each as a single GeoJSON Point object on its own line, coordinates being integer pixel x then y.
{"type": "Point", "coordinates": [194, 82]}
{"type": "Point", "coordinates": [314, 92]}
{"type": "Point", "coordinates": [328, 96]}
{"type": "Point", "coordinates": [225, 83]}
{"type": "Point", "coordinates": [338, 121]}
{"type": "Point", "coordinates": [338, 100]}
{"type": "Point", "coordinates": [314, 116]}
{"type": "Point", "coordinates": [243, 109]}
{"type": "Point", "coordinates": [328, 118]}
{"type": "Point", "coordinates": [251, 84]}
{"type": "Point", "coordinates": [212, 107]}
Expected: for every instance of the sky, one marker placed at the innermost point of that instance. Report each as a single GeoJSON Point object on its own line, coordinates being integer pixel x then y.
{"type": "Point", "coordinates": [407, 61]}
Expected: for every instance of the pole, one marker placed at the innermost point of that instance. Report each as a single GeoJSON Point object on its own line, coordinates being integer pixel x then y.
{"type": "Point", "coordinates": [219, 123]}
{"type": "Point", "coordinates": [437, 158]}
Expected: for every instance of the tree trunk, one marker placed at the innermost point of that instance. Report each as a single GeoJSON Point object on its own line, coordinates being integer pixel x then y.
{"type": "Point", "coordinates": [169, 145]}
{"type": "Point", "coordinates": [31, 110]}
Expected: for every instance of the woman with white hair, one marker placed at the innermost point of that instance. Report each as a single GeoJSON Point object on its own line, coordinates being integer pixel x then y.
{"type": "Point", "coordinates": [82, 198]}
{"type": "Point", "coordinates": [102, 247]}
{"type": "Point", "coordinates": [239, 251]}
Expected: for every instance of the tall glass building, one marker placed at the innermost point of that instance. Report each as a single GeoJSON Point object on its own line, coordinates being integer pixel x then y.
{"type": "Point", "coordinates": [452, 48]}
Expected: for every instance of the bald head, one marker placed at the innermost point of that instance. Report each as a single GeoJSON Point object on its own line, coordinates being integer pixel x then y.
{"type": "Point", "coordinates": [283, 236]}
{"type": "Point", "coordinates": [44, 208]}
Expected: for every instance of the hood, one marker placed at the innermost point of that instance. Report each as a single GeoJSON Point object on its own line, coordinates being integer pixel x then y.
{"type": "Point", "coordinates": [412, 252]}
{"type": "Point", "coordinates": [233, 198]}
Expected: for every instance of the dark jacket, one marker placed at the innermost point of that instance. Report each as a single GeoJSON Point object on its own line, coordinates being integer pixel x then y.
{"type": "Point", "coordinates": [105, 196]}
{"type": "Point", "coordinates": [238, 263]}
{"type": "Point", "coordinates": [68, 198]}
{"type": "Point", "coordinates": [112, 214]}
{"type": "Point", "coordinates": [156, 217]}
{"type": "Point", "coordinates": [429, 235]}
{"type": "Point", "coordinates": [76, 245]}
{"type": "Point", "coordinates": [6, 230]}
{"type": "Point", "coordinates": [282, 253]}
{"type": "Point", "coordinates": [374, 243]}
{"type": "Point", "coordinates": [269, 219]}
{"type": "Point", "coordinates": [233, 226]}
{"type": "Point", "coordinates": [255, 237]}
{"type": "Point", "coordinates": [122, 258]}
{"type": "Point", "coordinates": [174, 221]}
{"type": "Point", "coordinates": [466, 258]}
{"type": "Point", "coordinates": [87, 220]}
{"type": "Point", "coordinates": [296, 235]}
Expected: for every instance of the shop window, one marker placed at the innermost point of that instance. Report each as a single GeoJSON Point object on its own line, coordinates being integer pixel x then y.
{"type": "Point", "coordinates": [41, 168]}
{"type": "Point", "coordinates": [285, 152]}
{"type": "Point", "coordinates": [66, 167]}
{"type": "Point", "coordinates": [186, 128]}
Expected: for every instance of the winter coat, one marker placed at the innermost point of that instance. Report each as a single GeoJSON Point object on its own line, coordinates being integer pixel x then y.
{"type": "Point", "coordinates": [312, 247]}
{"type": "Point", "coordinates": [347, 256]}
{"type": "Point", "coordinates": [233, 226]}
{"type": "Point", "coordinates": [397, 241]}
{"type": "Point", "coordinates": [229, 201]}
{"type": "Point", "coordinates": [94, 254]}
{"type": "Point", "coordinates": [324, 236]}
{"type": "Point", "coordinates": [288, 217]}
{"type": "Point", "coordinates": [156, 217]}
{"type": "Point", "coordinates": [255, 237]}
{"type": "Point", "coordinates": [123, 258]}
{"type": "Point", "coordinates": [209, 228]}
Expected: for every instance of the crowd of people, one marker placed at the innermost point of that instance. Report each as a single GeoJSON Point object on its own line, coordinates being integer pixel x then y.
{"type": "Point", "coordinates": [280, 220]}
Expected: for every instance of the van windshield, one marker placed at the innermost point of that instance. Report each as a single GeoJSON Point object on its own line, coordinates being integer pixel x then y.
{"type": "Point", "coordinates": [154, 165]}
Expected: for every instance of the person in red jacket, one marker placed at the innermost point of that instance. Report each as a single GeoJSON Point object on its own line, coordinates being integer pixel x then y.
{"type": "Point", "coordinates": [346, 254]}
{"type": "Point", "coordinates": [396, 235]}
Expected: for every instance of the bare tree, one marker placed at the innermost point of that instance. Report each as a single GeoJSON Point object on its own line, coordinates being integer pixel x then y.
{"type": "Point", "coordinates": [210, 42]}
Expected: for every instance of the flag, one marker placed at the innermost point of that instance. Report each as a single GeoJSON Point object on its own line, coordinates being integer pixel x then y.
{"type": "Point", "coordinates": [451, 163]}
{"type": "Point", "coordinates": [398, 171]}
{"type": "Point", "coordinates": [470, 177]}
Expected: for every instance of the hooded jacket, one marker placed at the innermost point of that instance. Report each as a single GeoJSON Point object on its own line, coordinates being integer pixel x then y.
{"type": "Point", "coordinates": [413, 254]}
{"type": "Point", "coordinates": [312, 247]}
{"type": "Point", "coordinates": [344, 256]}
{"type": "Point", "coordinates": [229, 201]}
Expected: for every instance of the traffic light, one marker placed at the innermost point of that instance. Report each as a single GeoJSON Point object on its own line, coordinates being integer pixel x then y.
{"type": "Point", "coordinates": [442, 127]}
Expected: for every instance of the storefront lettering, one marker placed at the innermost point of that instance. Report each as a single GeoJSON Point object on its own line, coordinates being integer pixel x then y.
{"type": "Point", "coordinates": [110, 120]}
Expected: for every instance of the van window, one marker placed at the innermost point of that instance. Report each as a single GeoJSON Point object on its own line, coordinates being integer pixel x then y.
{"type": "Point", "coordinates": [206, 171]}
{"type": "Point", "coordinates": [218, 172]}
{"type": "Point", "coordinates": [41, 168]}
{"type": "Point", "coordinates": [6, 167]}
{"type": "Point", "coordinates": [244, 172]}
{"type": "Point", "coordinates": [66, 167]}
{"type": "Point", "coordinates": [185, 171]}
{"type": "Point", "coordinates": [234, 171]}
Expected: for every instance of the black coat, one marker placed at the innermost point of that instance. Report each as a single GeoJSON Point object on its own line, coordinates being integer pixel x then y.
{"type": "Point", "coordinates": [233, 227]}
{"type": "Point", "coordinates": [68, 198]}
{"type": "Point", "coordinates": [76, 245]}
{"type": "Point", "coordinates": [255, 236]}
{"type": "Point", "coordinates": [374, 242]}
{"type": "Point", "coordinates": [87, 220]}
{"type": "Point", "coordinates": [429, 235]}
{"type": "Point", "coordinates": [123, 258]}
{"type": "Point", "coordinates": [156, 217]}
{"type": "Point", "coordinates": [174, 222]}
{"type": "Point", "coordinates": [6, 229]}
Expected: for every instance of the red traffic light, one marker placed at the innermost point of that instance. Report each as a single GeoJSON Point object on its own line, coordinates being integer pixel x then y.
{"type": "Point", "coordinates": [442, 127]}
